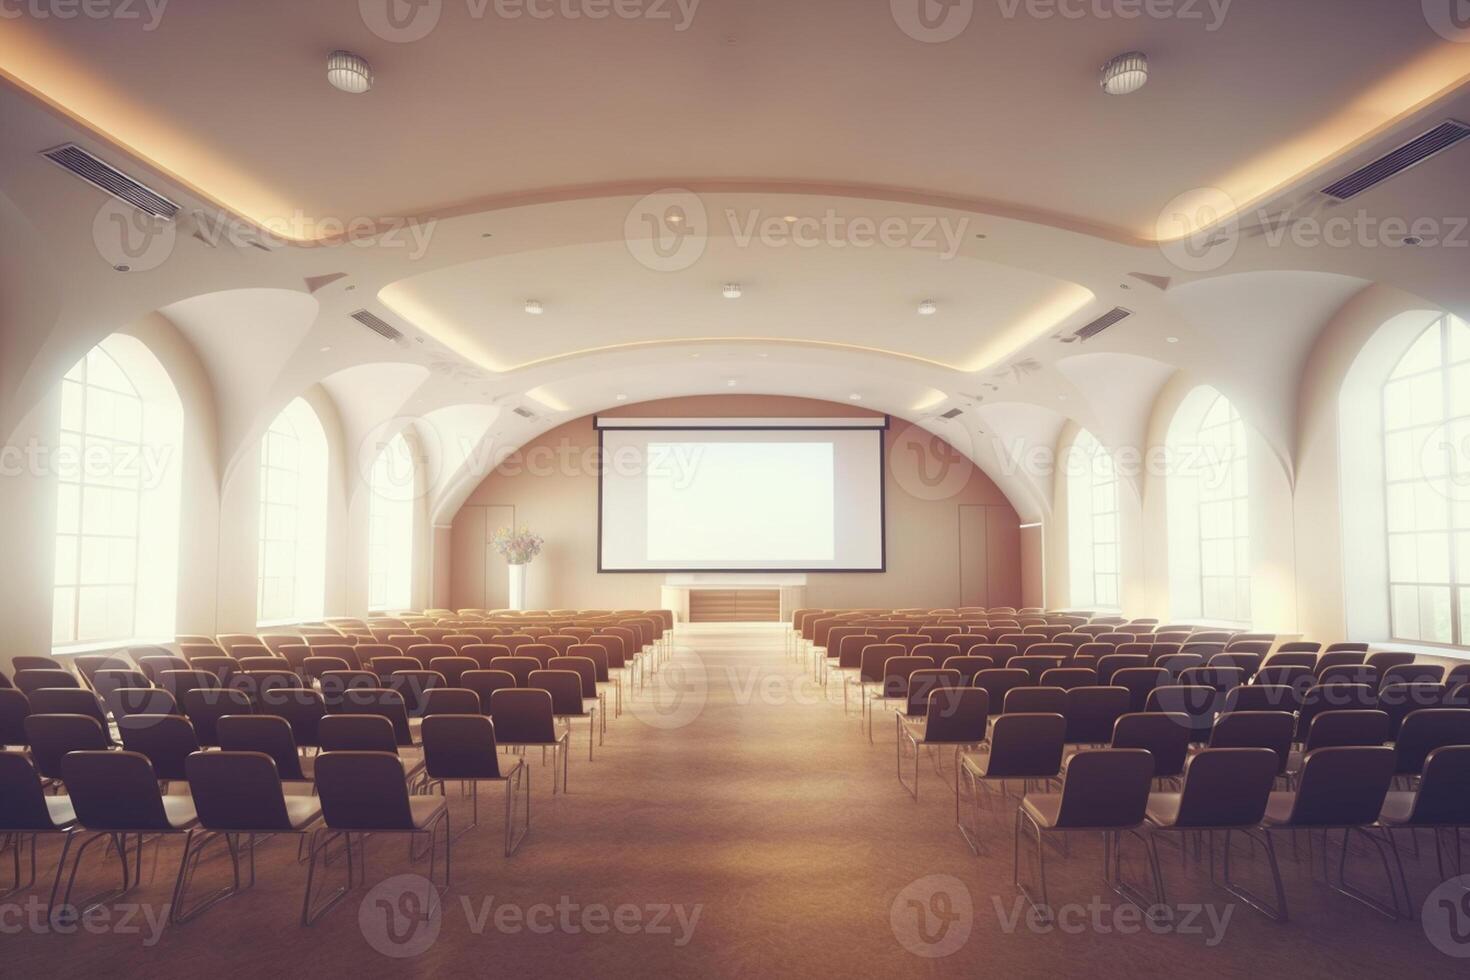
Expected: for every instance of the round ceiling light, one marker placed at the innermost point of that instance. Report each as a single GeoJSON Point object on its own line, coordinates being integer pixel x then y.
{"type": "Point", "coordinates": [928, 308]}
{"type": "Point", "coordinates": [732, 290]}
{"type": "Point", "coordinates": [349, 72]}
{"type": "Point", "coordinates": [1125, 74]}
{"type": "Point", "coordinates": [533, 307]}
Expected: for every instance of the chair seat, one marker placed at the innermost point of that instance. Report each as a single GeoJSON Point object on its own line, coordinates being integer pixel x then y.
{"type": "Point", "coordinates": [61, 810]}
{"type": "Point", "coordinates": [1398, 807]}
{"type": "Point", "coordinates": [1278, 807]}
{"type": "Point", "coordinates": [180, 812]}
{"type": "Point", "coordinates": [302, 810]}
{"type": "Point", "coordinates": [425, 810]}
{"type": "Point", "coordinates": [1163, 808]}
{"type": "Point", "coordinates": [1044, 808]}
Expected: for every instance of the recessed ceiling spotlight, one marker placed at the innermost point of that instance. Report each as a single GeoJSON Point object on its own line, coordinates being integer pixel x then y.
{"type": "Point", "coordinates": [622, 398]}
{"type": "Point", "coordinates": [854, 397]}
{"type": "Point", "coordinates": [1171, 340]}
{"type": "Point", "coordinates": [731, 290]}
{"type": "Point", "coordinates": [349, 72]}
{"type": "Point", "coordinates": [981, 235]}
{"type": "Point", "coordinates": [676, 216]}
{"type": "Point", "coordinates": [790, 219]}
{"type": "Point", "coordinates": [928, 308]}
{"type": "Point", "coordinates": [695, 356]}
{"type": "Point", "coordinates": [533, 307]}
{"type": "Point", "coordinates": [326, 349]}
{"type": "Point", "coordinates": [122, 268]}
{"type": "Point", "coordinates": [1413, 240]}
{"type": "Point", "coordinates": [730, 382]}
{"type": "Point", "coordinates": [1125, 74]}
{"type": "Point", "coordinates": [487, 234]}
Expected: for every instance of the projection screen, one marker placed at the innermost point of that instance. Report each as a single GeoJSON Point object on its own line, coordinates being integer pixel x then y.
{"type": "Point", "coordinates": [736, 495]}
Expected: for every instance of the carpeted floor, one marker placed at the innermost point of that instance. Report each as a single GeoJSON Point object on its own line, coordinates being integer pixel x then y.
{"type": "Point", "coordinates": [734, 823]}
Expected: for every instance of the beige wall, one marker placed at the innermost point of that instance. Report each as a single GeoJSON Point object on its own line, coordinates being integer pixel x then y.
{"type": "Point", "coordinates": [925, 550]}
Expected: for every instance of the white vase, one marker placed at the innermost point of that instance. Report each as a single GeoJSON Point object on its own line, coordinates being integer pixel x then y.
{"type": "Point", "coordinates": [517, 598]}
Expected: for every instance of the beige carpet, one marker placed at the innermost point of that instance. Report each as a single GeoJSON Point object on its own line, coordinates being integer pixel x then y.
{"type": "Point", "coordinates": [738, 824]}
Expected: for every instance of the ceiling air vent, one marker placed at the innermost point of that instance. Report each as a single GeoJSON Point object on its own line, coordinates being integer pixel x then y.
{"type": "Point", "coordinates": [71, 157]}
{"type": "Point", "coordinates": [1411, 154]}
{"type": "Point", "coordinates": [379, 326]}
{"type": "Point", "coordinates": [1102, 323]}
{"type": "Point", "coordinates": [524, 413]}
{"type": "Point", "coordinates": [953, 413]}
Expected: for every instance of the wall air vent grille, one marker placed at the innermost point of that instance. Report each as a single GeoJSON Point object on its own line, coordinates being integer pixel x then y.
{"type": "Point", "coordinates": [1411, 154]}
{"type": "Point", "coordinates": [106, 177]}
{"type": "Point", "coordinates": [953, 413]}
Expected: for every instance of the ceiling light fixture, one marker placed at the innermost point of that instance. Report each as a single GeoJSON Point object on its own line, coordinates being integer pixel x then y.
{"type": "Point", "coordinates": [928, 308]}
{"type": "Point", "coordinates": [854, 397]}
{"type": "Point", "coordinates": [790, 219]}
{"type": "Point", "coordinates": [622, 398]}
{"type": "Point", "coordinates": [326, 349]}
{"type": "Point", "coordinates": [349, 72]}
{"type": "Point", "coordinates": [730, 382]}
{"type": "Point", "coordinates": [1171, 340]}
{"type": "Point", "coordinates": [732, 290]}
{"type": "Point", "coordinates": [533, 307]}
{"type": "Point", "coordinates": [1125, 74]}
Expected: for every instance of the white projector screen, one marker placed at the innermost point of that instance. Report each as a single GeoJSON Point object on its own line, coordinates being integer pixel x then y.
{"type": "Point", "coordinates": [724, 499]}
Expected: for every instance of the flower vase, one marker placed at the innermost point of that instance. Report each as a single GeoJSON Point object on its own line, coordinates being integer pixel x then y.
{"type": "Point", "coordinates": [517, 598]}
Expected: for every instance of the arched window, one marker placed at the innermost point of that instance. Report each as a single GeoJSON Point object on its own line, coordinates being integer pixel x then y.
{"type": "Point", "coordinates": [391, 499]}
{"type": "Point", "coordinates": [1092, 524]}
{"type": "Point", "coordinates": [1426, 427]}
{"type": "Point", "coordinates": [117, 526]}
{"type": "Point", "coordinates": [1209, 511]}
{"type": "Point", "coordinates": [291, 568]}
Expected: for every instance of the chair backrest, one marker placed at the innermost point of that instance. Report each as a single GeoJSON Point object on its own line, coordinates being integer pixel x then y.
{"type": "Point", "coordinates": [384, 702]}
{"type": "Point", "coordinates": [967, 666]}
{"type": "Point", "coordinates": [1109, 664]}
{"type": "Point", "coordinates": [1347, 727]}
{"type": "Point", "coordinates": [460, 746]}
{"type": "Point", "coordinates": [1035, 700]}
{"type": "Point", "coordinates": [363, 791]}
{"type": "Point", "coordinates": [51, 737]}
{"type": "Point", "coordinates": [1411, 674]}
{"type": "Point", "coordinates": [68, 701]}
{"type": "Point", "coordinates": [1105, 788]}
{"type": "Point", "coordinates": [998, 682]}
{"type": "Point", "coordinates": [520, 668]}
{"type": "Point", "coordinates": [1069, 677]}
{"type": "Point", "coordinates": [166, 740]}
{"type": "Point", "coordinates": [1332, 697]}
{"type": "Point", "coordinates": [178, 682]}
{"type": "Point", "coordinates": [237, 791]}
{"type": "Point", "coordinates": [88, 664]}
{"type": "Point", "coordinates": [585, 669]}
{"type": "Point", "coordinates": [114, 791]}
{"type": "Point", "coordinates": [14, 707]}
{"type": "Point", "coordinates": [1221, 679]}
{"type": "Point", "coordinates": [451, 701]}
{"type": "Point", "coordinates": [896, 673]}
{"type": "Point", "coordinates": [34, 679]}
{"type": "Point", "coordinates": [1292, 658]}
{"type": "Point", "coordinates": [124, 701]}
{"type": "Point", "coordinates": [955, 714]}
{"type": "Point", "coordinates": [357, 733]}
{"type": "Point", "coordinates": [1165, 735]}
{"type": "Point", "coordinates": [1342, 786]}
{"type": "Point", "coordinates": [1398, 700]}
{"type": "Point", "coordinates": [1027, 746]}
{"type": "Point", "coordinates": [414, 685]}
{"type": "Point", "coordinates": [1227, 787]}
{"type": "Point", "coordinates": [565, 688]}
{"type": "Point", "coordinates": [1256, 730]}
{"type": "Point", "coordinates": [1263, 697]}
{"type": "Point", "coordinates": [302, 709]}
{"type": "Point", "coordinates": [1092, 711]}
{"type": "Point", "coordinates": [1428, 729]}
{"type": "Point", "coordinates": [1331, 657]}
{"type": "Point", "coordinates": [204, 708]}
{"type": "Point", "coordinates": [268, 734]}
{"type": "Point", "coordinates": [1442, 800]}
{"type": "Point", "coordinates": [1385, 660]}
{"type": "Point", "coordinates": [523, 716]}
{"type": "Point", "coordinates": [1139, 681]}
{"type": "Point", "coordinates": [22, 804]}
{"type": "Point", "coordinates": [485, 683]}
{"type": "Point", "coordinates": [452, 668]}
{"type": "Point", "coordinates": [1286, 675]}
{"type": "Point", "coordinates": [873, 657]}
{"type": "Point", "coordinates": [1200, 703]}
